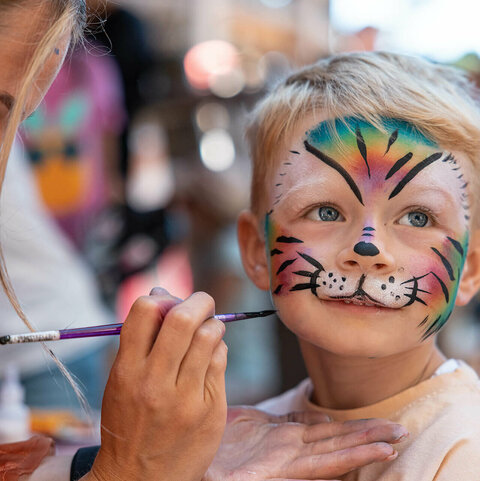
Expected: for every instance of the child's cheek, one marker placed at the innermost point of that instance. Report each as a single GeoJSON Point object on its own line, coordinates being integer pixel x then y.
{"type": "Point", "coordinates": [281, 256]}
{"type": "Point", "coordinates": [441, 273]}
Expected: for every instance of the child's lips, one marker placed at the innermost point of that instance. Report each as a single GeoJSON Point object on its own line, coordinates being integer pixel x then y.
{"type": "Point", "coordinates": [357, 304]}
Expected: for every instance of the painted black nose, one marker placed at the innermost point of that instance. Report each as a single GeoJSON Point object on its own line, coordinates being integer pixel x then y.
{"type": "Point", "coordinates": [366, 249]}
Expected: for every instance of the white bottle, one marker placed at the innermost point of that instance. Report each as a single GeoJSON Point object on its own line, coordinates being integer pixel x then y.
{"type": "Point", "coordinates": [14, 413]}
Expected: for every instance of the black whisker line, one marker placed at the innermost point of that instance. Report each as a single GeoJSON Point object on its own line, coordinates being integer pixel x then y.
{"type": "Point", "coordinates": [301, 287]}
{"type": "Point", "coordinates": [415, 171]}
{"type": "Point", "coordinates": [285, 265]}
{"type": "Point", "coordinates": [419, 290]}
{"type": "Point", "coordinates": [311, 261]}
{"type": "Point", "coordinates": [289, 240]}
{"type": "Point", "coordinates": [442, 285]}
{"type": "Point", "coordinates": [415, 298]}
{"type": "Point", "coordinates": [437, 325]}
{"type": "Point", "coordinates": [423, 322]}
{"type": "Point", "coordinates": [445, 263]}
{"type": "Point", "coordinates": [336, 166]}
{"type": "Point", "coordinates": [432, 329]}
{"type": "Point", "coordinates": [304, 273]}
{"type": "Point", "coordinates": [414, 279]}
{"type": "Point", "coordinates": [278, 289]}
{"type": "Point", "coordinates": [275, 252]}
{"type": "Point", "coordinates": [457, 245]}
{"type": "Point", "coordinates": [399, 164]}
{"type": "Point", "coordinates": [362, 148]}
{"type": "Point", "coordinates": [295, 152]}
{"type": "Point", "coordinates": [391, 140]}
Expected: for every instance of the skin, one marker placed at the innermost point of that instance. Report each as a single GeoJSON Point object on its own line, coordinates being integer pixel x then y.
{"type": "Point", "coordinates": [16, 32]}
{"type": "Point", "coordinates": [357, 355]}
{"type": "Point", "coordinates": [164, 408]}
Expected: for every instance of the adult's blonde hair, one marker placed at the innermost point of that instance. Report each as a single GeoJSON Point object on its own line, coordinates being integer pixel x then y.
{"type": "Point", "coordinates": [439, 100]}
{"type": "Point", "coordinates": [65, 17]}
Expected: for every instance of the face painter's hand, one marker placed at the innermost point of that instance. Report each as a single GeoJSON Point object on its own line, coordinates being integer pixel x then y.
{"type": "Point", "coordinates": [257, 446]}
{"type": "Point", "coordinates": [164, 408]}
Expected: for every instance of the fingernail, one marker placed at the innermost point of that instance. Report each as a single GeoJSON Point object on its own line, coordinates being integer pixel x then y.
{"type": "Point", "coordinates": [158, 291]}
{"type": "Point", "coordinates": [392, 456]}
{"type": "Point", "coordinates": [400, 433]}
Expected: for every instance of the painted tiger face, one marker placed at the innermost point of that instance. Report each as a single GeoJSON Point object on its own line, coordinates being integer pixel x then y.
{"type": "Point", "coordinates": [367, 229]}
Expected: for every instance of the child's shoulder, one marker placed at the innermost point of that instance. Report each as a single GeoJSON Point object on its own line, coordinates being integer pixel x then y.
{"type": "Point", "coordinates": [291, 400]}
{"type": "Point", "coordinates": [444, 425]}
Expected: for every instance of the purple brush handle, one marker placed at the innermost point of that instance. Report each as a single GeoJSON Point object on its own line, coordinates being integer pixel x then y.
{"type": "Point", "coordinates": [94, 331]}
{"type": "Point", "coordinates": [114, 329]}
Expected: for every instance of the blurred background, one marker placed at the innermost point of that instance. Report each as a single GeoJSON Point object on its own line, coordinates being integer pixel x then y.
{"type": "Point", "coordinates": [133, 170]}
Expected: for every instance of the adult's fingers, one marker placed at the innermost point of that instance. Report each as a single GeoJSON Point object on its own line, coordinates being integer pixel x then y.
{"type": "Point", "coordinates": [178, 328]}
{"type": "Point", "coordinates": [303, 417]}
{"type": "Point", "coordinates": [382, 433]}
{"type": "Point", "coordinates": [142, 325]}
{"type": "Point", "coordinates": [338, 463]}
{"type": "Point", "coordinates": [199, 355]}
{"type": "Point", "coordinates": [248, 413]}
{"type": "Point", "coordinates": [321, 431]}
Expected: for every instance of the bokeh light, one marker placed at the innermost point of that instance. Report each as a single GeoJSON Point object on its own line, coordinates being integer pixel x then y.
{"type": "Point", "coordinates": [217, 150]}
{"type": "Point", "coordinates": [208, 60]}
{"type": "Point", "coordinates": [212, 115]}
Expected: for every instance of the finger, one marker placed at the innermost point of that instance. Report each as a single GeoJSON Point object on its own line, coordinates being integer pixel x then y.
{"type": "Point", "coordinates": [214, 390]}
{"type": "Point", "coordinates": [338, 463]}
{"type": "Point", "coordinates": [160, 291]}
{"type": "Point", "coordinates": [318, 432]}
{"type": "Point", "coordinates": [142, 325]}
{"type": "Point", "coordinates": [303, 417]}
{"type": "Point", "coordinates": [178, 328]}
{"type": "Point", "coordinates": [199, 355]}
{"type": "Point", "coordinates": [382, 433]}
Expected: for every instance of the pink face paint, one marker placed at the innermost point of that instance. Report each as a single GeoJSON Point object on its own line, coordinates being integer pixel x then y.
{"type": "Point", "coordinates": [373, 165]}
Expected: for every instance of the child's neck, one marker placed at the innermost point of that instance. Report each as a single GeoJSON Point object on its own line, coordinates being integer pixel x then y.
{"type": "Point", "coordinates": [347, 382]}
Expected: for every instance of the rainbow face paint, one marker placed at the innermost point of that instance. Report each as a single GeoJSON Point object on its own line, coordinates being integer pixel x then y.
{"type": "Point", "coordinates": [367, 243]}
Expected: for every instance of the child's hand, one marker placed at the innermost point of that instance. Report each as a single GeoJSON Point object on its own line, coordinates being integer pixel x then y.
{"type": "Point", "coordinates": [164, 408]}
{"type": "Point", "coordinates": [258, 446]}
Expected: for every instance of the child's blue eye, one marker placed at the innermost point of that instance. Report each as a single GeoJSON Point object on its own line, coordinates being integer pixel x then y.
{"type": "Point", "coordinates": [326, 213]}
{"type": "Point", "coordinates": [415, 219]}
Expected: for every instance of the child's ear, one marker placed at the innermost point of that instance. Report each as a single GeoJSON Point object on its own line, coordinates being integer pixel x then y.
{"type": "Point", "coordinates": [252, 248]}
{"type": "Point", "coordinates": [470, 281]}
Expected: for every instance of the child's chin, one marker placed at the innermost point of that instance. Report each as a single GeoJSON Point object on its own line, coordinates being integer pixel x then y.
{"type": "Point", "coordinates": [346, 330]}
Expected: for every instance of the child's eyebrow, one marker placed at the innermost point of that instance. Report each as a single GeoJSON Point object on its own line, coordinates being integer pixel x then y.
{"type": "Point", "coordinates": [418, 192]}
{"type": "Point", "coordinates": [317, 183]}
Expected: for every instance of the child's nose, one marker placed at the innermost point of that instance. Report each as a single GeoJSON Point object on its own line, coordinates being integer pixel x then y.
{"type": "Point", "coordinates": [366, 257]}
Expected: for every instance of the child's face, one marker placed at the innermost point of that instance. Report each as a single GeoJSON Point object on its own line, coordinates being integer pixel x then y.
{"type": "Point", "coordinates": [367, 237]}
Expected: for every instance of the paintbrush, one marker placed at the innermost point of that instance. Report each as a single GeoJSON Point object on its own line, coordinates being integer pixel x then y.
{"type": "Point", "coordinates": [107, 329]}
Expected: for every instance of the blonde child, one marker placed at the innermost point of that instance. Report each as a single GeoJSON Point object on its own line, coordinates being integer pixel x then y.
{"type": "Point", "coordinates": [363, 226]}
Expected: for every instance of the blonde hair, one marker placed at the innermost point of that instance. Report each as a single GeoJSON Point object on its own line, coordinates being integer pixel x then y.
{"type": "Point", "coordinates": [67, 17]}
{"type": "Point", "coordinates": [439, 100]}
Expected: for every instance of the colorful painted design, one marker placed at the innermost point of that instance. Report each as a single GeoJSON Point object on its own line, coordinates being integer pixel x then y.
{"type": "Point", "coordinates": [372, 162]}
